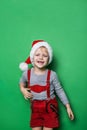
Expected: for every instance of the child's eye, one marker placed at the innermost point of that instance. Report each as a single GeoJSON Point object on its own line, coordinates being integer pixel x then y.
{"type": "Point", "coordinates": [37, 55]}
{"type": "Point", "coordinates": [45, 55]}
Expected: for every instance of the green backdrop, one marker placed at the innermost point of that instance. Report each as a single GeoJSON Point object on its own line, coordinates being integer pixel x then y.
{"type": "Point", "coordinates": [62, 23]}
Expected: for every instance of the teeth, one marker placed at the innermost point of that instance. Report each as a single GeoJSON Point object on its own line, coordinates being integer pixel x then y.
{"type": "Point", "coordinates": [40, 62]}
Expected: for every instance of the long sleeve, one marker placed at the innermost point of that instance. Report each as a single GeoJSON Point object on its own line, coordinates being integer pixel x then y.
{"type": "Point", "coordinates": [59, 90]}
{"type": "Point", "coordinates": [23, 78]}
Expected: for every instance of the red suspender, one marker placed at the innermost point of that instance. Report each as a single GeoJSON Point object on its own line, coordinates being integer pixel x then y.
{"type": "Point", "coordinates": [47, 85]}
{"type": "Point", "coordinates": [29, 78]}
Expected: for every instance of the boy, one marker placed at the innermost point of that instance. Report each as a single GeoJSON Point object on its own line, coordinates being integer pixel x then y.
{"type": "Point", "coordinates": [42, 85]}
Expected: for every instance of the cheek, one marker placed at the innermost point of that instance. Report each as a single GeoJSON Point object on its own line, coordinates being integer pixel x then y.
{"type": "Point", "coordinates": [47, 60]}
{"type": "Point", "coordinates": [34, 58]}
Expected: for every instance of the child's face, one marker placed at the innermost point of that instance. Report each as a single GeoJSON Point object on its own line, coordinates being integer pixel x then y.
{"type": "Point", "coordinates": [41, 57]}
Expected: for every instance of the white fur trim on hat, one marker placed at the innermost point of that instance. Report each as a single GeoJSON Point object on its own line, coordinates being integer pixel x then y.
{"type": "Point", "coordinates": [23, 66]}
{"type": "Point", "coordinates": [39, 44]}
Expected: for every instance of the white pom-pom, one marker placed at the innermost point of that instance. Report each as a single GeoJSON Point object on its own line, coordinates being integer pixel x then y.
{"type": "Point", "coordinates": [23, 66]}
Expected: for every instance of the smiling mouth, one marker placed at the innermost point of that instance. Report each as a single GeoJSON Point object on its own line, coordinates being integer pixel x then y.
{"type": "Point", "coordinates": [41, 62]}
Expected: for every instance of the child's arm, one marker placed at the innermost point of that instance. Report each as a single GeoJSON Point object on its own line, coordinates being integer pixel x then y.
{"type": "Point", "coordinates": [69, 111]}
{"type": "Point", "coordinates": [62, 95]}
{"type": "Point", "coordinates": [25, 92]}
{"type": "Point", "coordinates": [23, 86]}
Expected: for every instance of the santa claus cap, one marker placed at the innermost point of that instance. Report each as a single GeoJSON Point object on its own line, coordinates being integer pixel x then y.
{"type": "Point", "coordinates": [35, 45]}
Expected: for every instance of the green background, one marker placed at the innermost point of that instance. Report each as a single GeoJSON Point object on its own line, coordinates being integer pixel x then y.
{"type": "Point", "coordinates": [62, 23]}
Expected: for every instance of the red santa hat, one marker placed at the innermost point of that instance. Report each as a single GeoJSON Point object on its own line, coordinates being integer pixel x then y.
{"type": "Point", "coordinates": [35, 45]}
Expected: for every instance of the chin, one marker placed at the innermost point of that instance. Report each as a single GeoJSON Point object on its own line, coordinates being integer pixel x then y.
{"type": "Point", "coordinates": [41, 67]}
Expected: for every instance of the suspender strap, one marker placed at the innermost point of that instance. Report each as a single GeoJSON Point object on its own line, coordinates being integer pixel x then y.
{"type": "Point", "coordinates": [29, 71]}
{"type": "Point", "coordinates": [48, 84]}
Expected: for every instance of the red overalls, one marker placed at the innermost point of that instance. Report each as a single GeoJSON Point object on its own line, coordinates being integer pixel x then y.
{"type": "Point", "coordinates": [44, 112]}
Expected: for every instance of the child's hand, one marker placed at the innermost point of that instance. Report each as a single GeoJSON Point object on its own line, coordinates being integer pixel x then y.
{"type": "Point", "coordinates": [26, 93]}
{"type": "Point", "coordinates": [69, 111]}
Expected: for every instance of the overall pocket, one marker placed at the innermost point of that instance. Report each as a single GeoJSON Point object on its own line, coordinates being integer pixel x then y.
{"type": "Point", "coordinates": [52, 106]}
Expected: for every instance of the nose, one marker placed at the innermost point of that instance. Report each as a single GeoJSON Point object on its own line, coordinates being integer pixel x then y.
{"type": "Point", "coordinates": [41, 56]}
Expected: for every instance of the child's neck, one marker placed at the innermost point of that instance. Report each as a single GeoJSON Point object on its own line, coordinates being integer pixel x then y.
{"type": "Point", "coordinates": [39, 71]}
